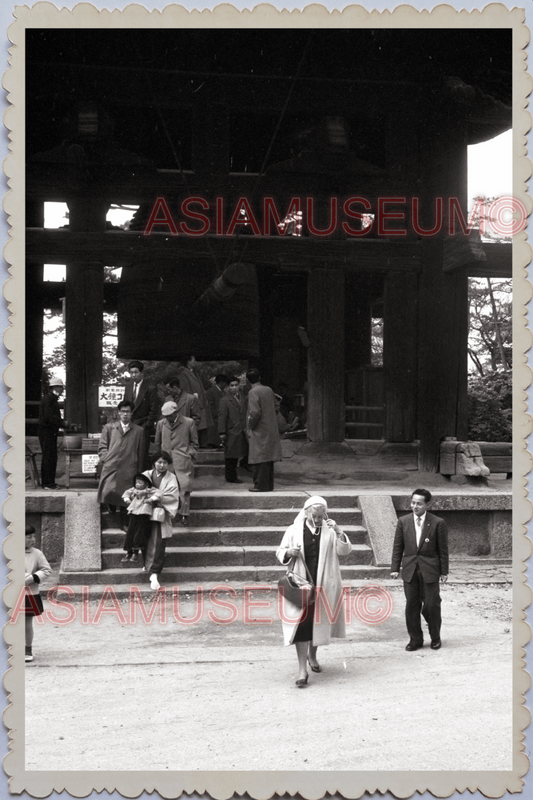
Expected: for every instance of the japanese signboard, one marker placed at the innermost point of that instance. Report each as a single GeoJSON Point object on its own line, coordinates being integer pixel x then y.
{"type": "Point", "coordinates": [110, 396]}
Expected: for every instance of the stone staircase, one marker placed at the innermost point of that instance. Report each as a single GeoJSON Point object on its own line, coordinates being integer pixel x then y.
{"type": "Point", "coordinates": [232, 538]}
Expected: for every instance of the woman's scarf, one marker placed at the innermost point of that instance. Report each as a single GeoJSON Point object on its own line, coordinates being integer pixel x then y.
{"type": "Point", "coordinates": [311, 501]}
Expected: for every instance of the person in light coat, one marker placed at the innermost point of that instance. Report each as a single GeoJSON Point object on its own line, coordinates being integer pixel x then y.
{"type": "Point", "coordinates": [317, 541]}
{"type": "Point", "coordinates": [177, 435]}
{"type": "Point", "coordinates": [263, 434]}
{"type": "Point", "coordinates": [121, 452]}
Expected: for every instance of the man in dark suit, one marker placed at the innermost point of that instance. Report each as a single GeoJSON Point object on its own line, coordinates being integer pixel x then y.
{"type": "Point", "coordinates": [421, 540]}
{"type": "Point", "coordinates": [231, 422]}
{"type": "Point", "coordinates": [145, 403]}
{"type": "Point", "coordinates": [50, 421]}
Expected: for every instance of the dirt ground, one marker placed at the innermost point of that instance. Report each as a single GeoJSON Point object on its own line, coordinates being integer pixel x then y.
{"type": "Point", "coordinates": [116, 695]}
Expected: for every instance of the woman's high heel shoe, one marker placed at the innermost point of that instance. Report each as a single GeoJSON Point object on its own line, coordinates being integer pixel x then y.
{"type": "Point", "coordinates": [315, 667]}
{"type": "Point", "coordinates": [301, 682]}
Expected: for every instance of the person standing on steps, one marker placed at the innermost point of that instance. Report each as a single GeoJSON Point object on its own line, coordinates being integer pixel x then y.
{"type": "Point", "coordinates": [50, 421]}
{"type": "Point", "coordinates": [231, 429]}
{"type": "Point", "coordinates": [421, 547]}
{"type": "Point", "coordinates": [176, 434]}
{"type": "Point", "coordinates": [263, 434]}
{"type": "Point", "coordinates": [144, 401]}
{"type": "Point", "coordinates": [187, 403]}
{"type": "Point", "coordinates": [121, 451]}
{"type": "Point", "coordinates": [316, 541]}
{"type": "Point", "coordinates": [214, 397]}
{"type": "Point", "coordinates": [192, 381]}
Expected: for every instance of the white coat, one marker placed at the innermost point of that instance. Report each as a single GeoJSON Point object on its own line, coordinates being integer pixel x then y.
{"type": "Point", "coordinates": [328, 578]}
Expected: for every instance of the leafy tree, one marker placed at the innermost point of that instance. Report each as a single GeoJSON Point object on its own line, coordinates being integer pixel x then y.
{"type": "Point", "coordinates": [490, 407]}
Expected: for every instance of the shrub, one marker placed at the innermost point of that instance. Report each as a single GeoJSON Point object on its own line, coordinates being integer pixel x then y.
{"type": "Point", "coordinates": [490, 407]}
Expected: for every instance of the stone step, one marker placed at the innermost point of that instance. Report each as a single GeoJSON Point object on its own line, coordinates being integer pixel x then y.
{"type": "Point", "coordinates": [236, 537]}
{"type": "Point", "coordinates": [202, 576]}
{"type": "Point", "coordinates": [210, 456]}
{"type": "Point", "coordinates": [242, 498]}
{"type": "Point", "coordinates": [247, 517]}
{"type": "Point", "coordinates": [200, 470]}
{"type": "Point", "coordinates": [250, 517]}
{"type": "Point", "coordinates": [250, 556]}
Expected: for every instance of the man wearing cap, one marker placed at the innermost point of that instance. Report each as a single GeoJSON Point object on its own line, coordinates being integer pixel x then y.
{"type": "Point", "coordinates": [50, 421]}
{"type": "Point", "coordinates": [178, 436]}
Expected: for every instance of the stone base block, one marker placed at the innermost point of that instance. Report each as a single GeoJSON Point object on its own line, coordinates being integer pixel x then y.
{"type": "Point", "coordinates": [82, 533]}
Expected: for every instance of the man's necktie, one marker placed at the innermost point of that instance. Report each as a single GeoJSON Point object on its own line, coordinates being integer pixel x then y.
{"type": "Point", "coordinates": [418, 530]}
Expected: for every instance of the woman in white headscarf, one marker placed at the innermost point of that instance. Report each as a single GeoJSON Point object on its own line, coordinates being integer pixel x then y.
{"type": "Point", "coordinates": [316, 541]}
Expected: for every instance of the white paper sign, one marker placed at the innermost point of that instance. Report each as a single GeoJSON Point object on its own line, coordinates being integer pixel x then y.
{"type": "Point", "coordinates": [110, 396]}
{"type": "Point", "coordinates": [89, 463]}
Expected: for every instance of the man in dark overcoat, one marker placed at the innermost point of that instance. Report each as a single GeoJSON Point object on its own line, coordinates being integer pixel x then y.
{"type": "Point", "coordinates": [421, 547]}
{"type": "Point", "coordinates": [263, 434]}
{"type": "Point", "coordinates": [231, 428]}
{"type": "Point", "coordinates": [121, 451]}
{"type": "Point", "coordinates": [193, 382]}
{"type": "Point", "coordinates": [213, 396]}
{"type": "Point", "coordinates": [187, 404]}
{"type": "Point", "coordinates": [145, 404]}
{"type": "Point", "coordinates": [50, 421]}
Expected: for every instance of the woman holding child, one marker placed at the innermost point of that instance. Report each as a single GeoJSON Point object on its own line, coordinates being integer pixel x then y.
{"type": "Point", "coordinates": [164, 495]}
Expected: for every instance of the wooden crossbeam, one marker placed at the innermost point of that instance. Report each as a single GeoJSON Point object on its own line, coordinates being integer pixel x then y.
{"type": "Point", "coordinates": [121, 248]}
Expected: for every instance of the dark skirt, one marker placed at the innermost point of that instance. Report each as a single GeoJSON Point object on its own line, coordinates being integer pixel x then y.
{"type": "Point", "coordinates": [304, 631]}
{"type": "Point", "coordinates": [33, 605]}
{"type": "Point", "coordinates": [138, 532]}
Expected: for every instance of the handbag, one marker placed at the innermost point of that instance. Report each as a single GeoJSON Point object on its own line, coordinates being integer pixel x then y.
{"type": "Point", "coordinates": [295, 588]}
{"type": "Point", "coordinates": [158, 514]}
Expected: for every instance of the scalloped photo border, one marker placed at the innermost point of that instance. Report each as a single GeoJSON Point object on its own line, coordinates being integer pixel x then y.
{"type": "Point", "coordinates": [257, 784]}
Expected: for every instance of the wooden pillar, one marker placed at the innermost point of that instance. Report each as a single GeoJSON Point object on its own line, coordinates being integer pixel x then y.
{"type": "Point", "coordinates": [325, 359]}
{"type": "Point", "coordinates": [400, 355]}
{"type": "Point", "coordinates": [34, 332]}
{"type": "Point", "coordinates": [34, 314]}
{"type": "Point", "coordinates": [442, 296]}
{"type": "Point", "coordinates": [84, 308]}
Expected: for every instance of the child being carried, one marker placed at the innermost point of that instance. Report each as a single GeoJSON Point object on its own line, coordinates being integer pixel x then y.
{"type": "Point", "coordinates": [139, 511]}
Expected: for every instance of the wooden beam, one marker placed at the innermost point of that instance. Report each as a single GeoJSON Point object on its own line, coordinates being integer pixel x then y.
{"type": "Point", "coordinates": [121, 248]}
{"type": "Point", "coordinates": [498, 262]}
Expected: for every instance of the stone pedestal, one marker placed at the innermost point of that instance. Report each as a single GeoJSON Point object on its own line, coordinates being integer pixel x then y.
{"type": "Point", "coordinates": [83, 552]}
{"type": "Point", "coordinates": [379, 518]}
